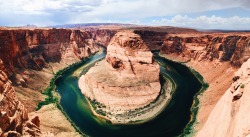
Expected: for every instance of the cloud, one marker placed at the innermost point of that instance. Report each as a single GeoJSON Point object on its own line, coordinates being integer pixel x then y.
{"type": "Point", "coordinates": [34, 7]}
{"type": "Point", "coordinates": [51, 12]}
{"type": "Point", "coordinates": [212, 22]}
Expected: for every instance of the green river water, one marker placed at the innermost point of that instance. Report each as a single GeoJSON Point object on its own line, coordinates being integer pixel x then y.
{"type": "Point", "coordinates": [171, 122]}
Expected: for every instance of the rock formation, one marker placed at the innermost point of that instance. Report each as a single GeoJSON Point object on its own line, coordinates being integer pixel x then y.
{"type": "Point", "coordinates": [230, 116]}
{"type": "Point", "coordinates": [31, 55]}
{"type": "Point", "coordinates": [14, 119]}
{"type": "Point", "coordinates": [202, 47]}
{"type": "Point", "coordinates": [33, 49]}
{"type": "Point", "coordinates": [127, 79]}
{"type": "Point", "coordinates": [155, 36]}
{"type": "Point", "coordinates": [24, 50]}
{"type": "Point", "coordinates": [153, 39]}
{"type": "Point", "coordinates": [101, 36]}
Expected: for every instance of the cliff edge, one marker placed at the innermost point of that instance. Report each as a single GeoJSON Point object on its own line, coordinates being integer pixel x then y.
{"type": "Point", "coordinates": [14, 120]}
{"type": "Point", "coordinates": [229, 116]}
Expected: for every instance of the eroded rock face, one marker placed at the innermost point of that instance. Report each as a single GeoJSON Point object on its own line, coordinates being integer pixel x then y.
{"type": "Point", "coordinates": [33, 49]}
{"type": "Point", "coordinates": [101, 36]}
{"type": "Point", "coordinates": [127, 79]}
{"type": "Point", "coordinates": [24, 50]}
{"type": "Point", "coordinates": [153, 39]}
{"type": "Point", "coordinates": [231, 111]}
{"type": "Point", "coordinates": [14, 119]}
{"type": "Point", "coordinates": [203, 47]}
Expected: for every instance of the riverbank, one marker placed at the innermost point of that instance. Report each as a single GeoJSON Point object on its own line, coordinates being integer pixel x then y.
{"type": "Point", "coordinates": [54, 123]}
{"type": "Point", "coordinates": [139, 115]}
{"type": "Point", "coordinates": [39, 93]}
{"type": "Point", "coordinates": [219, 77]}
{"type": "Point", "coordinates": [170, 122]}
{"type": "Point", "coordinates": [53, 98]}
{"type": "Point", "coordinates": [51, 117]}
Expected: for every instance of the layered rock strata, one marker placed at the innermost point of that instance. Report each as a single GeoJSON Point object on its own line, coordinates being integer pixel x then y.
{"type": "Point", "coordinates": [209, 47]}
{"type": "Point", "coordinates": [14, 120]}
{"type": "Point", "coordinates": [127, 79]}
{"type": "Point", "coordinates": [231, 111]}
{"type": "Point", "coordinates": [216, 56]}
{"type": "Point", "coordinates": [34, 49]}
{"type": "Point", "coordinates": [32, 55]}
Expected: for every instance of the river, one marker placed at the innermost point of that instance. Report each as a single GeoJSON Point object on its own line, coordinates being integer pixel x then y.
{"type": "Point", "coordinates": [171, 122]}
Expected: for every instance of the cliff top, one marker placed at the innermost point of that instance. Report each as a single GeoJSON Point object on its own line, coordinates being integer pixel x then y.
{"type": "Point", "coordinates": [130, 40]}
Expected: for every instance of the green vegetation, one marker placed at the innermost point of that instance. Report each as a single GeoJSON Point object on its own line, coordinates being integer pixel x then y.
{"type": "Point", "coordinates": [53, 97]}
{"type": "Point", "coordinates": [189, 129]}
{"type": "Point", "coordinates": [50, 90]}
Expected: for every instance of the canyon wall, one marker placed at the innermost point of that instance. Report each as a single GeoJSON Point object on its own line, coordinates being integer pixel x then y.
{"type": "Point", "coordinates": [36, 55]}
{"type": "Point", "coordinates": [209, 47]}
{"type": "Point", "coordinates": [153, 39]}
{"type": "Point", "coordinates": [33, 49]}
{"type": "Point", "coordinates": [101, 36]}
{"type": "Point", "coordinates": [14, 120]}
{"type": "Point", "coordinates": [229, 117]}
{"type": "Point", "coordinates": [29, 58]}
{"type": "Point", "coordinates": [216, 56]}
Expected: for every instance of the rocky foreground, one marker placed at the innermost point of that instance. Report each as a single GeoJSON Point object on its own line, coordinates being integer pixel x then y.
{"type": "Point", "coordinates": [216, 56]}
{"type": "Point", "coordinates": [14, 120]}
{"type": "Point", "coordinates": [127, 79]}
{"type": "Point", "coordinates": [229, 117]}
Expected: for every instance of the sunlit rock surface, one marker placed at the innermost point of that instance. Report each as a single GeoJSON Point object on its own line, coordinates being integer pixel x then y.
{"type": "Point", "coordinates": [127, 79]}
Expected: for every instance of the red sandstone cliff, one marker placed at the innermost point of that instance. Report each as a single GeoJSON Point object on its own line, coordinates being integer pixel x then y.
{"type": "Point", "coordinates": [201, 47]}
{"type": "Point", "coordinates": [14, 119]}
{"type": "Point", "coordinates": [52, 49]}
{"type": "Point", "coordinates": [216, 56]}
{"type": "Point", "coordinates": [153, 39]}
{"type": "Point", "coordinates": [101, 36]}
{"type": "Point", "coordinates": [29, 58]}
{"type": "Point", "coordinates": [34, 48]}
{"type": "Point", "coordinates": [230, 116]}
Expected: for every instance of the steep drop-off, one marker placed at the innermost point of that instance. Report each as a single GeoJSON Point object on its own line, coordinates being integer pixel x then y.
{"type": "Point", "coordinates": [214, 55]}
{"type": "Point", "coordinates": [14, 120]}
{"type": "Point", "coordinates": [230, 116]}
{"type": "Point", "coordinates": [201, 47]}
{"type": "Point", "coordinates": [30, 58]}
{"type": "Point", "coordinates": [35, 48]}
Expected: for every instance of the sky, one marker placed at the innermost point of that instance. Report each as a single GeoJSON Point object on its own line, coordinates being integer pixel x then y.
{"type": "Point", "coordinates": [200, 14]}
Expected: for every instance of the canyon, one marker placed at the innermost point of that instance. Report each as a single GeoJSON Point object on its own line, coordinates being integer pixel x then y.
{"type": "Point", "coordinates": [14, 119]}
{"type": "Point", "coordinates": [215, 56]}
{"type": "Point", "coordinates": [31, 57]}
